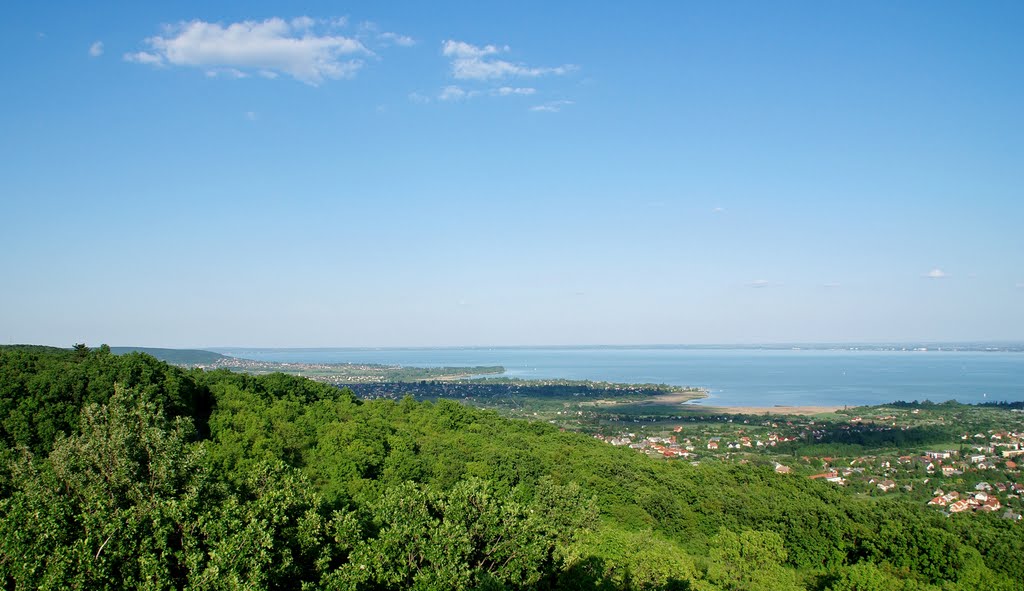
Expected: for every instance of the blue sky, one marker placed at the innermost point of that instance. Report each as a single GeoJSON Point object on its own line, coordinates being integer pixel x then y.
{"type": "Point", "coordinates": [410, 173]}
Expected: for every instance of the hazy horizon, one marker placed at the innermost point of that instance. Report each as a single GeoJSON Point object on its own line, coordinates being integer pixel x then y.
{"type": "Point", "coordinates": [451, 174]}
{"type": "Point", "coordinates": [738, 345]}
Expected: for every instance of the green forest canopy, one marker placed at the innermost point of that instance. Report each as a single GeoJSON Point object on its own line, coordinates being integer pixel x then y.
{"type": "Point", "coordinates": [126, 472]}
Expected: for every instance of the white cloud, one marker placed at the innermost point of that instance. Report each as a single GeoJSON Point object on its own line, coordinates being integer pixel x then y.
{"type": "Point", "coordinates": [551, 107]}
{"type": "Point", "coordinates": [759, 283]}
{"type": "Point", "coordinates": [389, 38]}
{"type": "Point", "coordinates": [143, 57]}
{"type": "Point", "coordinates": [251, 115]}
{"type": "Point", "coordinates": [832, 285]}
{"type": "Point", "coordinates": [455, 93]}
{"type": "Point", "coordinates": [461, 49]}
{"type": "Point", "coordinates": [271, 46]}
{"type": "Point", "coordinates": [96, 49]}
{"type": "Point", "coordinates": [226, 73]}
{"type": "Point", "coordinates": [510, 90]}
{"type": "Point", "coordinates": [1020, 285]}
{"type": "Point", "coordinates": [718, 210]}
{"type": "Point", "coordinates": [370, 32]}
{"type": "Point", "coordinates": [471, 62]}
{"type": "Point", "coordinates": [936, 274]}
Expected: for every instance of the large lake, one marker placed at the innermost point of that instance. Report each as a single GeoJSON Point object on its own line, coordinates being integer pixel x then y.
{"type": "Point", "coordinates": [734, 377]}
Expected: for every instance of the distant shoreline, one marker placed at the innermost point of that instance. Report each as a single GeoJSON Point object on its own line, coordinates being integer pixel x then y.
{"type": "Point", "coordinates": [765, 379]}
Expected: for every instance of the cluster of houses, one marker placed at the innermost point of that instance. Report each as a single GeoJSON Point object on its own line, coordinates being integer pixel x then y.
{"type": "Point", "coordinates": [983, 499]}
{"type": "Point", "coordinates": [617, 440]}
{"type": "Point", "coordinates": [980, 457]}
{"type": "Point", "coordinates": [980, 452]}
{"type": "Point", "coordinates": [666, 447]}
{"type": "Point", "coordinates": [672, 447]}
{"type": "Point", "coordinates": [1007, 444]}
{"type": "Point", "coordinates": [770, 440]}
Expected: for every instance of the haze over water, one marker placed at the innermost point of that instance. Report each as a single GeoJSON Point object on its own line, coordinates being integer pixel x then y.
{"type": "Point", "coordinates": [733, 377]}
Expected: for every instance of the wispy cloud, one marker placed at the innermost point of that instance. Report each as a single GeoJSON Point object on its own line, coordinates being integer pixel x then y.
{"type": "Point", "coordinates": [759, 283]}
{"type": "Point", "coordinates": [369, 32]}
{"type": "Point", "coordinates": [96, 49]}
{"type": "Point", "coordinates": [390, 38]}
{"type": "Point", "coordinates": [303, 48]}
{"type": "Point", "coordinates": [472, 62]}
{"type": "Point", "coordinates": [510, 91]}
{"type": "Point", "coordinates": [936, 274]}
{"type": "Point", "coordinates": [456, 93]}
{"type": "Point", "coordinates": [143, 57]}
{"type": "Point", "coordinates": [552, 106]}
{"type": "Point", "coordinates": [833, 285]}
{"type": "Point", "coordinates": [226, 73]}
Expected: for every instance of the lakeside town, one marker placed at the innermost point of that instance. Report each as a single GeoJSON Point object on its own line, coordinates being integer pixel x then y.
{"type": "Point", "coordinates": [977, 470]}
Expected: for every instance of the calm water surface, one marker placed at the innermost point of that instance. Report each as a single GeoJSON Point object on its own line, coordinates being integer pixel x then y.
{"type": "Point", "coordinates": [734, 377]}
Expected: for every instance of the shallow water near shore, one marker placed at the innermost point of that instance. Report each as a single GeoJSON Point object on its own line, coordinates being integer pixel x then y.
{"type": "Point", "coordinates": [732, 377]}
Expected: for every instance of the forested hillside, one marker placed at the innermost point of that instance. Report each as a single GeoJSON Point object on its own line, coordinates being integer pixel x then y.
{"type": "Point", "coordinates": [125, 472]}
